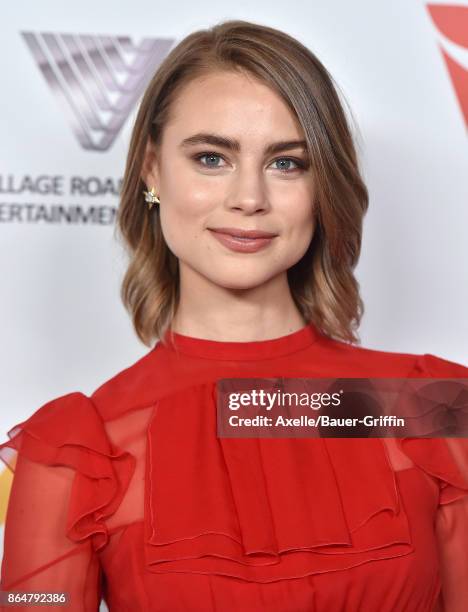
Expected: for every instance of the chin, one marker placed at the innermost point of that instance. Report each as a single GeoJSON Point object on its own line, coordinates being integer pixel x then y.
{"type": "Point", "coordinates": [240, 282]}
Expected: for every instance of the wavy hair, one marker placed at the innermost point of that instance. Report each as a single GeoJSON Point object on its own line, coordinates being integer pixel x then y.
{"type": "Point", "coordinates": [322, 283]}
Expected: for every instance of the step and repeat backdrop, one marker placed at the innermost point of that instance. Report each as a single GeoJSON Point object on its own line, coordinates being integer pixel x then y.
{"type": "Point", "coordinates": [71, 79]}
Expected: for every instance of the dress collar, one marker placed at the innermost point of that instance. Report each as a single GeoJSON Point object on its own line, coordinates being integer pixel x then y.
{"type": "Point", "coordinates": [254, 350]}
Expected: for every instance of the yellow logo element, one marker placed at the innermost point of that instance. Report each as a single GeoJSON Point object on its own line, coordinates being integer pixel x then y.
{"type": "Point", "coordinates": [6, 478]}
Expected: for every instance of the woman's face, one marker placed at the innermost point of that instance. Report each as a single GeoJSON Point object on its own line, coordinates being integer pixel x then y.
{"type": "Point", "coordinates": [205, 184]}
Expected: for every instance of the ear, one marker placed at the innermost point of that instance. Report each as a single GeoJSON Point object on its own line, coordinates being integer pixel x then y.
{"type": "Point", "coordinates": [150, 167]}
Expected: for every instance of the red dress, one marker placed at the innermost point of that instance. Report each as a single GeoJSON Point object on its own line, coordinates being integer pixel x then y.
{"type": "Point", "coordinates": [130, 495]}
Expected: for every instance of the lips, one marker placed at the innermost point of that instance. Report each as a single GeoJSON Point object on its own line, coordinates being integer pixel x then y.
{"type": "Point", "coordinates": [245, 243]}
{"type": "Point", "coordinates": [241, 233]}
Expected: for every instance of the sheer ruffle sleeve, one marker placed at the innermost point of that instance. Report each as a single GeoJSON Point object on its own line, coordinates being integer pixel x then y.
{"type": "Point", "coordinates": [446, 461]}
{"type": "Point", "coordinates": [68, 480]}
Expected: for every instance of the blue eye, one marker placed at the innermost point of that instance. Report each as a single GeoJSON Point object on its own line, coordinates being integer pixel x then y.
{"type": "Point", "coordinates": [288, 160]}
{"type": "Point", "coordinates": [211, 156]}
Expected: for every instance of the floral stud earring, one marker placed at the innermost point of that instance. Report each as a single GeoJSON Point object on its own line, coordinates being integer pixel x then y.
{"type": "Point", "coordinates": [151, 198]}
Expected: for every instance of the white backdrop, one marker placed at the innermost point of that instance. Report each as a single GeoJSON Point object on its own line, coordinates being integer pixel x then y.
{"type": "Point", "coordinates": [64, 328]}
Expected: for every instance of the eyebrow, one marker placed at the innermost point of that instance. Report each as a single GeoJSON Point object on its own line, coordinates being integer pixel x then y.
{"type": "Point", "coordinates": [234, 145]}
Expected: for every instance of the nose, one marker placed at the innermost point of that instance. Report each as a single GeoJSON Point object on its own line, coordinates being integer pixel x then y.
{"type": "Point", "coordinates": [248, 191]}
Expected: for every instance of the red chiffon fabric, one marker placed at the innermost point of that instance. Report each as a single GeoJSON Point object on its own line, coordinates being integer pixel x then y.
{"type": "Point", "coordinates": [129, 495]}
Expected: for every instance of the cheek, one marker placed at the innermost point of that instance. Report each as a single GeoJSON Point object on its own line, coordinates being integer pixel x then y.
{"type": "Point", "coordinates": [186, 197]}
{"type": "Point", "coordinates": [299, 228]}
{"type": "Point", "coordinates": [300, 217]}
{"type": "Point", "coordinates": [182, 214]}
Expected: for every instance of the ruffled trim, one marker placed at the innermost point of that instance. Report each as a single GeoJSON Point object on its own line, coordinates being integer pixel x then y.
{"type": "Point", "coordinates": [69, 431]}
{"type": "Point", "coordinates": [263, 509]}
{"type": "Point", "coordinates": [445, 459]}
{"type": "Point", "coordinates": [434, 457]}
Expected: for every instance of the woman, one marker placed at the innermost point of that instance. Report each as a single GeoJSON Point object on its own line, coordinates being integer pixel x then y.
{"type": "Point", "coordinates": [129, 493]}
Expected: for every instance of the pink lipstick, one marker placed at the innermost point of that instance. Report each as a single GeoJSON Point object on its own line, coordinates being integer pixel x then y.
{"type": "Point", "coordinates": [242, 241]}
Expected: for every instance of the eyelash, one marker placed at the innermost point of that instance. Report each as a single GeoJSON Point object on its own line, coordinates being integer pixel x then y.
{"type": "Point", "coordinates": [301, 165]}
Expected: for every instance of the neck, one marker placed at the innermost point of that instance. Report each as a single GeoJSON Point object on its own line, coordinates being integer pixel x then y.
{"type": "Point", "coordinates": [210, 311]}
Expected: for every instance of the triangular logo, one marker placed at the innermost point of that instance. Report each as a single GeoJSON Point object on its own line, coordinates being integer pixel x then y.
{"type": "Point", "coordinates": [96, 79]}
{"type": "Point", "coordinates": [452, 23]}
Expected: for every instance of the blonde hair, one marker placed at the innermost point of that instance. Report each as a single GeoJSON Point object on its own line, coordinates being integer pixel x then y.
{"type": "Point", "coordinates": [322, 283]}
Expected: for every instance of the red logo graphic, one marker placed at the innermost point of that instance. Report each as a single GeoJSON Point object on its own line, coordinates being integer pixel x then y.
{"type": "Point", "coordinates": [452, 22]}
